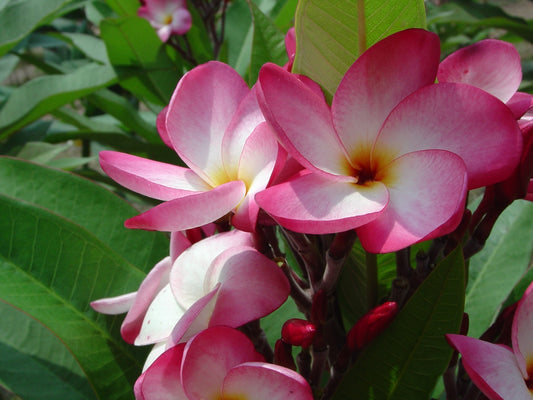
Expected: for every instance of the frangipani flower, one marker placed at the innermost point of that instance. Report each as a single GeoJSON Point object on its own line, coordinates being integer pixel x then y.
{"type": "Point", "coordinates": [215, 125]}
{"type": "Point", "coordinates": [167, 17]}
{"type": "Point", "coordinates": [395, 153]}
{"type": "Point", "coordinates": [219, 363]}
{"type": "Point", "coordinates": [498, 371]}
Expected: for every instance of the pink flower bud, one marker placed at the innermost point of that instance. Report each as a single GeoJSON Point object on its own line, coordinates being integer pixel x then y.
{"type": "Point", "coordinates": [298, 332]}
{"type": "Point", "coordinates": [371, 325]}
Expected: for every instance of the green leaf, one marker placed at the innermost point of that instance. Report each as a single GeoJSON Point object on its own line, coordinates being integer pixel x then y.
{"type": "Point", "coordinates": [268, 43]}
{"type": "Point", "coordinates": [89, 45]}
{"type": "Point", "coordinates": [331, 35]}
{"type": "Point", "coordinates": [43, 372]}
{"type": "Point", "coordinates": [140, 58]}
{"type": "Point", "coordinates": [85, 203]}
{"type": "Point", "coordinates": [19, 18]}
{"type": "Point", "coordinates": [7, 65]}
{"type": "Point", "coordinates": [44, 94]}
{"type": "Point", "coordinates": [495, 270]}
{"type": "Point", "coordinates": [51, 268]}
{"type": "Point", "coordinates": [124, 8]}
{"type": "Point", "coordinates": [405, 361]}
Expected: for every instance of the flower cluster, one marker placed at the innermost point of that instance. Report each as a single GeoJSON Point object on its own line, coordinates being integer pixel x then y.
{"type": "Point", "coordinates": [390, 162]}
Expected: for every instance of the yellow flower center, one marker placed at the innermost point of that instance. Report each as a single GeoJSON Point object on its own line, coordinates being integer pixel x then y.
{"type": "Point", "coordinates": [167, 20]}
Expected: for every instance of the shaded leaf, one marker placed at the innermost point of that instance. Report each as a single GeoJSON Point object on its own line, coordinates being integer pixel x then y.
{"type": "Point", "coordinates": [405, 361]}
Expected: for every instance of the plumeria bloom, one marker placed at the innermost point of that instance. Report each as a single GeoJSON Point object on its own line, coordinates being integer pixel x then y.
{"type": "Point", "coordinates": [220, 280]}
{"type": "Point", "coordinates": [219, 363]}
{"type": "Point", "coordinates": [491, 65]}
{"type": "Point", "coordinates": [214, 124]}
{"type": "Point", "coordinates": [395, 153]}
{"type": "Point", "coordinates": [500, 372]}
{"type": "Point", "coordinates": [167, 17]}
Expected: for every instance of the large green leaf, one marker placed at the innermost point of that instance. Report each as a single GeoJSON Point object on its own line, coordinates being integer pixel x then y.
{"type": "Point", "coordinates": [19, 18]}
{"type": "Point", "coordinates": [124, 8]}
{"type": "Point", "coordinates": [141, 60]}
{"type": "Point", "coordinates": [85, 203]}
{"type": "Point", "coordinates": [51, 268]}
{"type": "Point", "coordinates": [405, 361]}
{"type": "Point", "coordinates": [331, 35]}
{"type": "Point", "coordinates": [44, 94]}
{"type": "Point", "coordinates": [37, 372]}
{"type": "Point", "coordinates": [499, 266]}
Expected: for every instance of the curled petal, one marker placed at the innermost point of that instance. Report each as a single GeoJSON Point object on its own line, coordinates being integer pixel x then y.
{"type": "Point", "coordinates": [302, 121]}
{"type": "Point", "coordinates": [151, 178]}
{"type": "Point", "coordinates": [114, 305]}
{"type": "Point", "coordinates": [491, 65]}
{"type": "Point", "coordinates": [191, 211]}
{"type": "Point", "coordinates": [422, 198]}
{"type": "Point", "coordinates": [262, 381]}
{"type": "Point", "coordinates": [459, 118]}
{"type": "Point", "coordinates": [199, 113]}
{"type": "Point", "coordinates": [385, 74]}
{"type": "Point", "coordinates": [312, 203]}
{"type": "Point", "coordinates": [162, 127]}
{"type": "Point", "coordinates": [492, 368]}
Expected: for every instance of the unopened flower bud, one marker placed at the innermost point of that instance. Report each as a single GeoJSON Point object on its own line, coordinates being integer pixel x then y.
{"type": "Point", "coordinates": [298, 332]}
{"type": "Point", "coordinates": [319, 307]}
{"type": "Point", "coordinates": [371, 325]}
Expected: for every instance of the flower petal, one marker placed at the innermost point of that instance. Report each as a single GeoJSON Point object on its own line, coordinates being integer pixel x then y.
{"type": "Point", "coordinates": [191, 211]}
{"type": "Point", "coordinates": [491, 367]}
{"type": "Point", "coordinates": [162, 127]}
{"type": "Point", "coordinates": [151, 178]}
{"type": "Point", "coordinates": [114, 305]}
{"type": "Point", "coordinates": [302, 121]}
{"type": "Point", "coordinates": [160, 318]}
{"type": "Point", "coordinates": [161, 381]}
{"type": "Point", "coordinates": [491, 65]}
{"type": "Point", "coordinates": [199, 113]}
{"type": "Point", "coordinates": [459, 118]}
{"type": "Point", "coordinates": [312, 203]}
{"type": "Point", "coordinates": [208, 358]}
{"type": "Point", "coordinates": [385, 74]}
{"type": "Point", "coordinates": [422, 198]}
{"type": "Point", "coordinates": [256, 165]}
{"type": "Point", "coordinates": [262, 381]}
{"type": "Point", "coordinates": [188, 272]}
{"type": "Point", "coordinates": [521, 333]}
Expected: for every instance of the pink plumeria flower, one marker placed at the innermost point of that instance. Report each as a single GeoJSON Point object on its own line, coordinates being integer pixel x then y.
{"type": "Point", "coordinates": [395, 153]}
{"type": "Point", "coordinates": [214, 124]}
{"type": "Point", "coordinates": [491, 65]}
{"type": "Point", "coordinates": [167, 17]}
{"type": "Point", "coordinates": [219, 363]}
{"type": "Point", "coordinates": [500, 372]}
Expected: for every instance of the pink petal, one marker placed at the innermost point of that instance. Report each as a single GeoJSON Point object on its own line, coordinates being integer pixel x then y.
{"type": "Point", "coordinates": [521, 333]}
{"type": "Point", "coordinates": [492, 368]}
{"type": "Point", "coordinates": [520, 103]}
{"type": "Point", "coordinates": [114, 305]}
{"type": "Point", "coordinates": [491, 65]}
{"type": "Point", "coordinates": [178, 244]}
{"type": "Point", "coordinates": [162, 127]}
{"type": "Point", "coordinates": [154, 282]}
{"type": "Point", "coordinates": [162, 380]}
{"type": "Point", "coordinates": [245, 120]}
{"type": "Point", "coordinates": [385, 74]}
{"type": "Point", "coordinates": [181, 21]}
{"type": "Point", "coordinates": [188, 273]}
{"type": "Point", "coordinates": [208, 358]}
{"type": "Point", "coordinates": [459, 118]}
{"type": "Point", "coordinates": [252, 286]}
{"type": "Point", "coordinates": [160, 318]}
{"type": "Point", "coordinates": [256, 165]}
{"type": "Point", "coordinates": [290, 43]}
{"type": "Point", "coordinates": [191, 211]}
{"type": "Point", "coordinates": [151, 178]}
{"type": "Point", "coordinates": [422, 198]}
{"type": "Point", "coordinates": [163, 32]}
{"type": "Point", "coordinates": [312, 203]}
{"type": "Point", "coordinates": [302, 121]}
{"type": "Point", "coordinates": [199, 113]}
{"type": "Point", "coordinates": [262, 381]}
